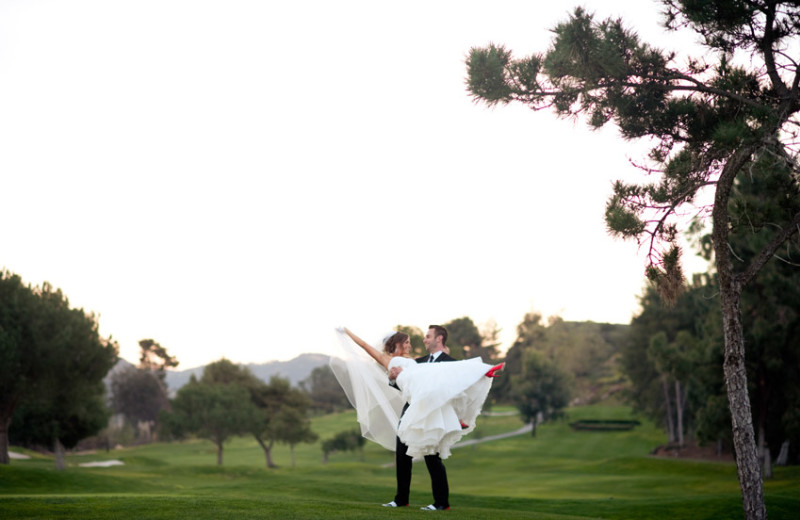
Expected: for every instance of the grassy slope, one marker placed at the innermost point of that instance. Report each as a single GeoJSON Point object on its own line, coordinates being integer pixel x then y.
{"type": "Point", "coordinates": [557, 474]}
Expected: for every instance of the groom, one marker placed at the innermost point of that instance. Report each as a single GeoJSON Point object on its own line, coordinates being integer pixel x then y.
{"type": "Point", "coordinates": [435, 340]}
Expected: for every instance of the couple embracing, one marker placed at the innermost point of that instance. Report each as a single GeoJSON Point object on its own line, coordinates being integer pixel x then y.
{"type": "Point", "coordinates": [425, 407]}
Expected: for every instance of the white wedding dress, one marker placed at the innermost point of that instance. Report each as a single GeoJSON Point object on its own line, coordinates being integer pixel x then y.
{"type": "Point", "coordinates": [440, 396]}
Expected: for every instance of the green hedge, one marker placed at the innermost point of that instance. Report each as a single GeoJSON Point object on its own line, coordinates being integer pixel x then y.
{"type": "Point", "coordinates": [604, 425]}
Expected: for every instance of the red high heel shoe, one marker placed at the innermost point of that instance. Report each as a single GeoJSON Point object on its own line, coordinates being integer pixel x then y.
{"type": "Point", "coordinates": [493, 372]}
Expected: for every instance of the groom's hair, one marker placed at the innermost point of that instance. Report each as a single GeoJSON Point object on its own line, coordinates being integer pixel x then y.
{"type": "Point", "coordinates": [438, 330]}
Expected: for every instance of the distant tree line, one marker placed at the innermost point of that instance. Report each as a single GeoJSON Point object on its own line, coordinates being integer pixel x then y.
{"type": "Point", "coordinates": [54, 363]}
{"type": "Point", "coordinates": [666, 363]}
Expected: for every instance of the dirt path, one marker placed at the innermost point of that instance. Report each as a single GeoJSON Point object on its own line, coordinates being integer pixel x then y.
{"type": "Point", "coordinates": [525, 429]}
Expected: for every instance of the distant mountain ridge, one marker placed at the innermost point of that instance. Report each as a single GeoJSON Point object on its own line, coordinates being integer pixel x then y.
{"type": "Point", "coordinates": [295, 370]}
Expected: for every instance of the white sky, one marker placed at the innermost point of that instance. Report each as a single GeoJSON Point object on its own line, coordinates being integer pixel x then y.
{"type": "Point", "coordinates": [236, 178]}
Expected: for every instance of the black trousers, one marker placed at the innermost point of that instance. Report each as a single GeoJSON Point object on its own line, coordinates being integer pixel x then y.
{"type": "Point", "coordinates": [436, 469]}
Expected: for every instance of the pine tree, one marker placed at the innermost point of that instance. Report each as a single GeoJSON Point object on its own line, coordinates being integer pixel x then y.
{"type": "Point", "coordinates": [712, 120]}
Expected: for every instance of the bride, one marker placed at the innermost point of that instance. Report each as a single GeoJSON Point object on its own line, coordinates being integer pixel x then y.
{"type": "Point", "coordinates": [444, 399]}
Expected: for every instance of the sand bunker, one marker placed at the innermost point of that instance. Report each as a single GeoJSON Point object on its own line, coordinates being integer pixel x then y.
{"type": "Point", "coordinates": [20, 456]}
{"type": "Point", "coordinates": [102, 464]}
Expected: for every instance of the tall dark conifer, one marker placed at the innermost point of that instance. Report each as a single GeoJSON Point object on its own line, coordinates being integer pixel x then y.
{"type": "Point", "coordinates": [52, 364]}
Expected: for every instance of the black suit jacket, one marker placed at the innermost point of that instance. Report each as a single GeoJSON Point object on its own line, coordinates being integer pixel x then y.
{"type": "Point", "coordinates": [442, 357]}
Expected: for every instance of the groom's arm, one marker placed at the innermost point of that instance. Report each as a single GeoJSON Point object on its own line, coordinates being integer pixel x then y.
{"type": "Point", "coordinates": [393, 373]}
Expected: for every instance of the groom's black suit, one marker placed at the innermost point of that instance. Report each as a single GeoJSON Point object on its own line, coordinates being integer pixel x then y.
{"type": "Point", "coordinates": [441, 491]}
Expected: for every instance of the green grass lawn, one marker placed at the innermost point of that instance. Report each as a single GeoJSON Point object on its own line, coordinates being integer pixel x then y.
{"type": "Point", "coordinates": [559, 473]}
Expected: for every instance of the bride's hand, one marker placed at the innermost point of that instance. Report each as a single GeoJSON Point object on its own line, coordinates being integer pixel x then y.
{"type": "Point", "coordinates": [394, 372]}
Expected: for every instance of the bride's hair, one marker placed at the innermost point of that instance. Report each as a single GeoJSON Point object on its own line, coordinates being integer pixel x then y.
{"type": "Point", "coordinates": [398, 338]}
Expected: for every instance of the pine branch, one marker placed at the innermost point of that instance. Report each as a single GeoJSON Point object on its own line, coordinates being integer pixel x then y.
{"type": "Point", "coordinates": [699, 86]}
{"type": "Point", "coordinates": [769, 57]}
{"type": "Point", "coordinates": [720, 215]}
{"type": "Point", "coordinates": [769, 250]}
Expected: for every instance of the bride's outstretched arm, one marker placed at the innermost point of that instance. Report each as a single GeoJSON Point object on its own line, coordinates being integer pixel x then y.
{"type": "Point", "coordinates": [376, 354]}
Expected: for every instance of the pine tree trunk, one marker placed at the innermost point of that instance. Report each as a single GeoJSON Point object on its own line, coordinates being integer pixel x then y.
{"type": "Point", "coordinates": [668, 404]}
{"type": "Point", "coordinates": [59, 449]}
{"type": "Point", "coordinates": [763, 446]}
{"type": "Point", "coordinates": [219, 454]}
{"type": "Point", "coordinates": [763, 450]}
{"type": "Point", "coordinates": [730, 290]}
{"type": "Point", "coordinates": [783, 455]}
{"type": "Point", "coordinates": [4, 424]}
{"type": "Point", "coordinates": [735, 372]}
{"type": "Point", "coordinates": [679, 412]}
{"type": "Point", "coordinates": [6, 411]}
{"type": "Point", "coordinates": [291, 450]}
